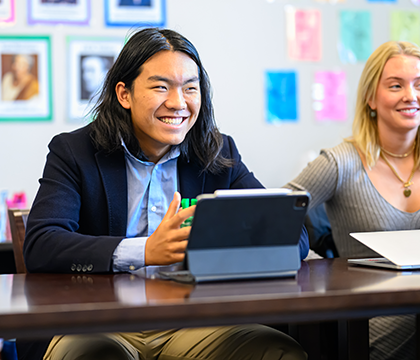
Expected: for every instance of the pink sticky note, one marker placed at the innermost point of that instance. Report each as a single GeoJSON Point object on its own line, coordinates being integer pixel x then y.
{"type": "Point", "coordinates": [329, 96]}
{"type": "Point", "coordinates": [304, 34]}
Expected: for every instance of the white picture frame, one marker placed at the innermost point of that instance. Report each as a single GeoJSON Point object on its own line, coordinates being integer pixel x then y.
{"type": "Point", "coordinates": [89, 59]}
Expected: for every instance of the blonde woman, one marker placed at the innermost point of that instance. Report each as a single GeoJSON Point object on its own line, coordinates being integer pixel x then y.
{"type": "Point", "coordinates": [371, 181]}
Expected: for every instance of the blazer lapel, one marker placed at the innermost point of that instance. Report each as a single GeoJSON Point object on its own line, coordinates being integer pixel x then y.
{"type": "Point", "coordinates": [114, 178]}
{"type": "Point", "coordinates": [191, 179]}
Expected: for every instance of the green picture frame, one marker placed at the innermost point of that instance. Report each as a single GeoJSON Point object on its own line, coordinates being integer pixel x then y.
{"type": "Point", "coordinates": [25, 78]}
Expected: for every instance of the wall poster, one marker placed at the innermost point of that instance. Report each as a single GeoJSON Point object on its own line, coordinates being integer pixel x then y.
{"type": "Point", "coordinates": [355, 44]}
{"type": "Point", "coordinates": [281, 90]}
{"type": "Point", "coordinates": [303, 34]}
{"type": "Point", "coordinates": [329, 96]}
{"type": "Point", "coordinates": [405, 26]}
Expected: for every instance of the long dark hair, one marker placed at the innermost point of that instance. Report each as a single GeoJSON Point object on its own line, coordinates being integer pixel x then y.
{"type": "Point", "coordinates": [112, 122]}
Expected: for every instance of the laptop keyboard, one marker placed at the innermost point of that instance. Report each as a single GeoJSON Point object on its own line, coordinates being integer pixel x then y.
{"type": "Point", "coordinates": [382, 261]}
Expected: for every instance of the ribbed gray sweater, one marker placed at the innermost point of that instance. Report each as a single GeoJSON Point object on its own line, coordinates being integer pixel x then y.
{"type": "Point", "coordinates": [338, 178]}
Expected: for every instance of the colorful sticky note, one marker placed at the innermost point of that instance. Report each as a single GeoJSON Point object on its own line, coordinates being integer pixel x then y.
{"type": "Point", "coordinates": [355, 36]}
{"type": "Point", "coordinates": [329, 95]}
{"type": "Point", "coordinates": [405, 26]}
{"type": "Point", "coordinates": [281, 96]}
{"type": "Point", "coordinates": [303, 34]}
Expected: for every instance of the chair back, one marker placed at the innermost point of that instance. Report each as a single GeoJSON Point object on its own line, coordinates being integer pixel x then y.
{"type": "Point", "coordinates": [17, 220]}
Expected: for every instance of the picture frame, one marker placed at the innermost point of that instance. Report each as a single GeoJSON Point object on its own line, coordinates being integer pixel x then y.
{"type": "Point", "coordinates": [7, 12]}
{"type": "Point", "coordinates": [25, 78]}
{"type": "Point", "coordinates": [89, 59]}
{"type": "Point", "coordinates": [135, 13]}
{"type": "Point", "coordinates": [71, 12]}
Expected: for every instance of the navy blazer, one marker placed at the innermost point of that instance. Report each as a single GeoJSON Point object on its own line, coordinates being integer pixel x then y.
{"type": "Point", "coordinates": [79, 215]}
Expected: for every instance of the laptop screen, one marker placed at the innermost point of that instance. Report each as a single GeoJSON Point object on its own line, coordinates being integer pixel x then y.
{"type": "Point", "coordinates": [400, 247]}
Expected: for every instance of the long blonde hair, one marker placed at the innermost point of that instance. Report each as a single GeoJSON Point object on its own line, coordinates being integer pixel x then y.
{"type": "Point", "coordinates": [365, 127]}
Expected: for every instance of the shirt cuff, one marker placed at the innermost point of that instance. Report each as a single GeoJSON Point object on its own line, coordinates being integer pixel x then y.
{"type": "Point", "coordinates": [129, 254]}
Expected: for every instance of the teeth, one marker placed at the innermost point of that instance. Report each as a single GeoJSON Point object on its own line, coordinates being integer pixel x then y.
{"type": "Point", "coordinates": [409, 111]}
{"type": "Point", "coordinates": [171, 121]}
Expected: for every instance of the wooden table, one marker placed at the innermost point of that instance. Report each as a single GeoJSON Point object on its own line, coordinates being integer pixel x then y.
{"type": "Point", "coordinates": [325, 290]}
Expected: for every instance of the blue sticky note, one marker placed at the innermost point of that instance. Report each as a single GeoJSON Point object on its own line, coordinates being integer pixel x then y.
{"type": "Point", "coordinates": [355, 36]}
{"type": "Point", "coordinates": [281, 90]}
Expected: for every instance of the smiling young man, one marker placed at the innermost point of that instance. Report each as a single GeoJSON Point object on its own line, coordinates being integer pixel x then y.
{"type": "Point", "coordinates": [110, 194]}
{"type": "Point", "coordinates": [164, 102]}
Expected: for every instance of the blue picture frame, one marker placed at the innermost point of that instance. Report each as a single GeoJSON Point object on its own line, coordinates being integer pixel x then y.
{"type": "Point", "coordinates": [138, 13]}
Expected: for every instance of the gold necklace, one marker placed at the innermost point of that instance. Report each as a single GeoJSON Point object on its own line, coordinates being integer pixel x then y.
{"type": "Point", "coordinates": [398, 155]}
{"type": "Point", "coordinates": [408, 183]}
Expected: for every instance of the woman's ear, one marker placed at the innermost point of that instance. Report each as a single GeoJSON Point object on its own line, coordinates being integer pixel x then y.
{"type": "Point", "coordinates": [123, 95]}
{"type": "Point", "coordinates": [372, 104]}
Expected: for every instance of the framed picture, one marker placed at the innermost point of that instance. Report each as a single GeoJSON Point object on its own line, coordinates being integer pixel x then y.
{"type": "Point", "coordinates": [89, 61]}
{"type": "Point", "coordinates": [7, 11]}
{"type": "Point", "coordinates": [25, 91]}
{"type": "Point", "coordinates": [76, 12]}
{"type": "Point", "coordinates": [135, 12]}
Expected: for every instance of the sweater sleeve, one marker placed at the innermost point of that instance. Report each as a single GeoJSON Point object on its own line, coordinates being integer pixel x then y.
{"type": "Point", "coordinates": [319, 179]}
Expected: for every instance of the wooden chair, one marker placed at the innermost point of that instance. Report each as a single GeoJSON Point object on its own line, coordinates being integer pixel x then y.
{"type": "Point", "coordinates": [17, 220]}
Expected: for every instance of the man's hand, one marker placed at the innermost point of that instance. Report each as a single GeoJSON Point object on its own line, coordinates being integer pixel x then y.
{"type": "Point", "coordinates": [168, 243]}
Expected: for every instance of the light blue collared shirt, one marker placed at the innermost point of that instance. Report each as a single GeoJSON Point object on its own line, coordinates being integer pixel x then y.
{"type": "Point", "coordinates": [150, 189]}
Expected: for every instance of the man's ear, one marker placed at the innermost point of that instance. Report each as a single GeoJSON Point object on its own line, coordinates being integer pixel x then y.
{"type": "Point", "coordinates": [123, 95]}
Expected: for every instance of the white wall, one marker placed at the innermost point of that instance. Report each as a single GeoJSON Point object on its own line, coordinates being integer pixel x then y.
{"type": "Point", "coordinates": [237, 40]}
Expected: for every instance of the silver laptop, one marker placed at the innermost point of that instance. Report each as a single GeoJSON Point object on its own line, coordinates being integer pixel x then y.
{"type": "Point", "coordinates": [244, 234]}
{"type": "Point", "coordinates": [400, 250]}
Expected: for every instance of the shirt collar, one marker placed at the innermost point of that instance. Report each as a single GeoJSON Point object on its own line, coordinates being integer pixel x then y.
{"type": "Point", "coordinates": [173, 153]}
